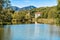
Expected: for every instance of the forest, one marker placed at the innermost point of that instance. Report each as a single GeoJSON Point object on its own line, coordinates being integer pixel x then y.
{"type": "Point", "coordinates": [9, 16]}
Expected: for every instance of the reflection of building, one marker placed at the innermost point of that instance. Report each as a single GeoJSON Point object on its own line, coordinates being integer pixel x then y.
{"type": "Point", "coordinates": [37, 14]}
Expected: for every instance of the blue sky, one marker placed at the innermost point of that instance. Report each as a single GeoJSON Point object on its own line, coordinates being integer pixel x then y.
{"type": "Point", "coordinates": [37, 3]}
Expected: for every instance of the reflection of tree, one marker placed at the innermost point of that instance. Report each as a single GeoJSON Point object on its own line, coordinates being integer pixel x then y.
{"type": "Point", "coordinates": [1, 32]}
{"type": "Point", "coordinates": [7, 35]}
{"type": "Point", "coordinates": [4, 32]}
{"type": "Point", "coordinates": [51, 32]}
{"type": "Point", "coordinates": [58, 31]}
{"type": "Point", "coordinates": [54, 31]}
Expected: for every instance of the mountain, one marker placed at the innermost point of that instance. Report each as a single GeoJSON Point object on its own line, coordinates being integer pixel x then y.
{"type": "Point", "coordinates": [24, 8]}
{"type": "Point", "coordinates": [27, 8]}
{"type": "Point", "coordinates": [15, 8]}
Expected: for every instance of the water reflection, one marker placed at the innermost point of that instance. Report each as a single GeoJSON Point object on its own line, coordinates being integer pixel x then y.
{"type": "Point", "coordinates": [36, 30]}
{"type": "Point", "coordinates": [1, 32]}
{"type": "Point", "coordinates": [30, 32]}
{"type": "Point", "coordinates": [5, 33]}
{"type": "Point", "coordinates": [54, 32]}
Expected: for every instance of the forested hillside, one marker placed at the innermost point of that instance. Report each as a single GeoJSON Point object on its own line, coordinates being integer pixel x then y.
{"type": "Point", "coordinates": [9, 16]}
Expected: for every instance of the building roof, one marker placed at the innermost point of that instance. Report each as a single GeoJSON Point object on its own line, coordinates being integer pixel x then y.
{"type": "Point", "coordinates": [38, 12]}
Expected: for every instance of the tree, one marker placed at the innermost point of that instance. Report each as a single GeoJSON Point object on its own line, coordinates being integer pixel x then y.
{"type": "Point", "coordinates": [1, 5]}
{"type": "Point", "coordinates": [58, 12]}
{"type": "Point", "coordinates": [5, 13]}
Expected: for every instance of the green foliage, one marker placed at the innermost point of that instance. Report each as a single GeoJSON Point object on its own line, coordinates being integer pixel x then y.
{"type": "Point", "coordinates": [7, 14]}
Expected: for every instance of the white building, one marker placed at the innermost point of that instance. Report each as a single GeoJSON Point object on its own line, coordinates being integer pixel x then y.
{"type": "Point", "coordinates": [37, 14]}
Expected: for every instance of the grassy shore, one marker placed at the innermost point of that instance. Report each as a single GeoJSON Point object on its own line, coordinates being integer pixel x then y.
{"type": "Point", "coordinates": [47, 21]}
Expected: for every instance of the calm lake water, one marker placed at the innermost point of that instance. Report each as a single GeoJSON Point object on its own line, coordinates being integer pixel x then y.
{"type": "Point", "coordinates": [30, 32]}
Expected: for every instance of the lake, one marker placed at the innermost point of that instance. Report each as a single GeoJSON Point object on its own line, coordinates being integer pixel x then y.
{"type": "Point", "coordinates": [30, 32]}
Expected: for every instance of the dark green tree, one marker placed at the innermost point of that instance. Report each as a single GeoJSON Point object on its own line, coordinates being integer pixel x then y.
{"type": "Point", "coordinates": [5, 11]}
{"type": "Point", "coordinates": [58, 12]}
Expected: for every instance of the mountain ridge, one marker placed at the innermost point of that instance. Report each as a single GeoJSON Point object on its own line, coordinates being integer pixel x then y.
{"type": "Point", "coordinates": [15, 8]}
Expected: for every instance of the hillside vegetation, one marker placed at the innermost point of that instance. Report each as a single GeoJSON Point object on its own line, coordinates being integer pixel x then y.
{"type": "Point", "coordinates": [9, 16]}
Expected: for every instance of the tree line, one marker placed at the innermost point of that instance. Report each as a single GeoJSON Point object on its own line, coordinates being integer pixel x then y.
{"type": "Point", "coordinates": [7, 14]}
